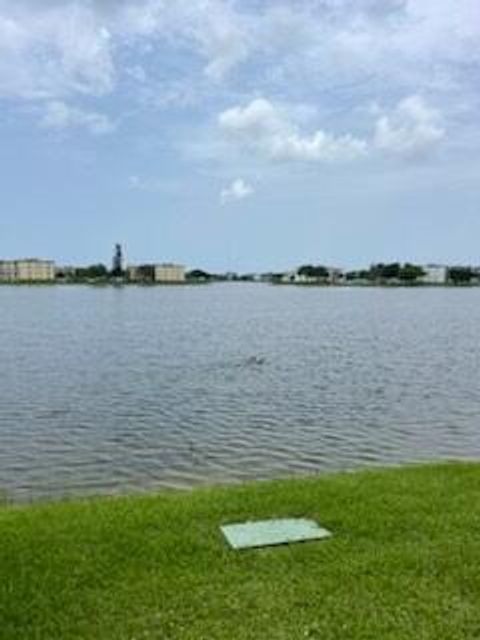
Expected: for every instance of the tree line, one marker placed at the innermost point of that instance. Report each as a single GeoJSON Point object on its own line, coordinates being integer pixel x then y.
{"type": "Point", "coordinates": [408, 273]}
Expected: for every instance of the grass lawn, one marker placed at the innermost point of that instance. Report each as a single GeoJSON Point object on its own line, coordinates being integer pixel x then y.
{"type": "Point", "coordinates": [404, 562]}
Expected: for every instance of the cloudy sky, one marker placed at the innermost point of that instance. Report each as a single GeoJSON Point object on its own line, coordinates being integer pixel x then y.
{"type": "Point", "coordinates": [248, 134]}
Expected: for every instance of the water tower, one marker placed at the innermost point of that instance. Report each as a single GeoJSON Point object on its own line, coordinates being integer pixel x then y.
{"type": "Point", "coordinates": [117, 262]}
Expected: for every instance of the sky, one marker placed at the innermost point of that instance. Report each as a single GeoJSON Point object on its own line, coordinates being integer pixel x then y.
{"type": "Point", "coordinates": [240, 135]}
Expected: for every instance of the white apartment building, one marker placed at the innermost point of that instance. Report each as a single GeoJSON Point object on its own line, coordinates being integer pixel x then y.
{"type": "Point", "coordinates": [27, 270]}
{"type": "Point", "coordinates": [434, 274]}
{"type": "Point", "coordinates": [169, 273]}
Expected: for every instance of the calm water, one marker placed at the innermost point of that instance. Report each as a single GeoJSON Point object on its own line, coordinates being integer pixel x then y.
{"type": "Point", "coordinates": [112, 390]}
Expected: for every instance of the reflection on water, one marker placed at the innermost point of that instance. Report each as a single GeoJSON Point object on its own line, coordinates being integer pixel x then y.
{"type": "Point", "coordinates": [108, 390]}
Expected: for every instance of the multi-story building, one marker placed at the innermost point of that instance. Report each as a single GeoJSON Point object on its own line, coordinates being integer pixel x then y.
{"type": "Point", "coordinates": [133, 273]}
{"type": "Point", "coordinates": [169, 273]}
{"type": "Point", "coordinates": [141, 273]}
{"type": "Point", "coordinates": [434, 274]}
{"type": "Point", "coordinates": [7, 271]}
{"type": "Point", "coordinates": [336, 276]}
{"type": "Point", "coordinates": [27, 270]}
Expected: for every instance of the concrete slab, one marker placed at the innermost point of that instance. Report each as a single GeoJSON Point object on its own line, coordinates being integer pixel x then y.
{"type": "Point", "coordinates": [266, 533]}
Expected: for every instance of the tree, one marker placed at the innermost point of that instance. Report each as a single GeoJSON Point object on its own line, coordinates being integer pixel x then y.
{"type": "Point", "coordinates": [409, 273]}
{"type": "Point", "coordinates": [198, 274]}
{"type": "Point", "coordinates": [311, 271]}
{"type": "Point", "coordinates": [460, 275]}
{"type": "Point", "coordinates": [305, 270]}
{"type": "Point", "coordinates": [363, 274]}
{"type": "Point", "coordinates": [391, 271]}
{"type": "Point", "coordinates": [382, 271]}
{"type": "Point", "coordinates": [92, 272]}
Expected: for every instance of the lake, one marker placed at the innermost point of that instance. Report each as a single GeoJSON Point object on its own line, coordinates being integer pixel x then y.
{"type": "Point", "coordinates": [111, 390]}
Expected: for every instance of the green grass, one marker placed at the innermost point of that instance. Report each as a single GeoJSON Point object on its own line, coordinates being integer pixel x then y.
{"type": "Point", "coordinates": [404, 563]}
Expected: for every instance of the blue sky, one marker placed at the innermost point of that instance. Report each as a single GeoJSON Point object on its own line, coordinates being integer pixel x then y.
{"type": "Point", "coordinates": [242, 135]}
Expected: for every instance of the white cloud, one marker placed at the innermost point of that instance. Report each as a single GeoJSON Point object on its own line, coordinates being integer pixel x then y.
{"type": "Point", "coordinates": [53, 50]}
{"type": "Point", "coordinates": [339, 53]}
{"type": "Point", "coordinates": [412, 128]}
{"type": "Point", "coordinates": [212, 29]}
{"type": "Point", "coordinates": [54, 47]}
{"type": "Point", "coordinates": [238, 190]}
{"type": "Point", "coordinates": [347, 51]}
{"type": "Point", "coordinates": [258, 118]}
{"type": "Point", "coordinates": [59, 115]}
{"type": "Point", "coordinates": [266, 128]}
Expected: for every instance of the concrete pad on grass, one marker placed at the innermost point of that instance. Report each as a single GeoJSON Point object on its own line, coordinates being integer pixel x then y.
{"type": "Point", "coordinates": [267, 533]}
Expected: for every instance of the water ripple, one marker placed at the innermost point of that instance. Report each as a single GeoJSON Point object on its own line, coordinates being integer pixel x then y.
{"type": "Point", "coordinates": [107, 391]}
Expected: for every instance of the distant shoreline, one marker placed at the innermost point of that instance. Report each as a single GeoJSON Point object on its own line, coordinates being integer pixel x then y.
{"type": "Point", "coordinates": [99, 284]}
{"type": "Point", "coordinates": [308, 285]}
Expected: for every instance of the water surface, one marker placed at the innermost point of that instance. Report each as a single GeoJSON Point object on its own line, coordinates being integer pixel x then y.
{"type": "Point", "coordinates": [125, 389]}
